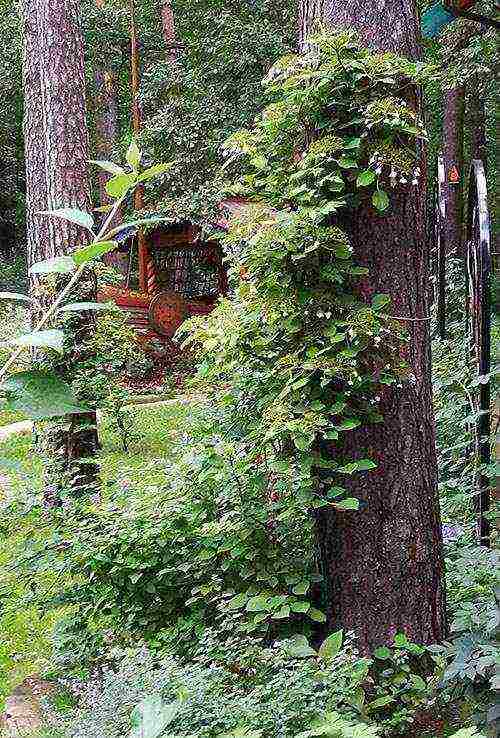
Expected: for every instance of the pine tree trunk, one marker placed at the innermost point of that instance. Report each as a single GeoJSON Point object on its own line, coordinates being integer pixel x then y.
{"type": "Point", "coordinates": [453, 155]}
{"type": "Point", "coordinates": [56, 139]}
{"type": "Point", "coordinates": [383, 565]}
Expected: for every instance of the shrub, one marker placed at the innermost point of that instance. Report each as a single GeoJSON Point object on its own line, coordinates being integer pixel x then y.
{"type": "Point", "coordinates": [277, 690]}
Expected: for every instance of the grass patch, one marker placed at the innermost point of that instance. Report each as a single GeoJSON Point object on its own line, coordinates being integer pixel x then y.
{"type": "Point", "coordinates": [11, 416]}
{"type": "Point", "coordinates": [25, 646]}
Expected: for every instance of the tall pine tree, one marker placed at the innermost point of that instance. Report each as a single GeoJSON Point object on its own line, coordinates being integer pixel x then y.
{"type": "Point", "coordinates": [56, 145]}
{"type": "Point", "coordinates": [384, 565]}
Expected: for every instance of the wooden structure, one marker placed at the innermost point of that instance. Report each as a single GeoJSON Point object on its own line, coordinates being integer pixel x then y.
{"type": "Point", "coordinates": [169, 274]}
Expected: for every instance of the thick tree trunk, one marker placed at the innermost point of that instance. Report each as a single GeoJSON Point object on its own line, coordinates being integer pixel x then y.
{"type": "Point", "coordinates": [57, 176]}
{"type": "Point", "coordinates": [453, 155]}
{"type": "Point", "coordinates": [383, 565]}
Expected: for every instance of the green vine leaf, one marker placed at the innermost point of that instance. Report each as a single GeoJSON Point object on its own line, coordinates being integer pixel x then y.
{"type": "Point", "coordinates": [133, 155]}
{"type": "Point", "coordinates": [94, 251]}
{"type": "Point", "coordinates": [108, 166]}
{"type": "Point", "coordinates": [15, 297]}
{"type": "Point", "coordinates": [40, 395]}
{"type": "Point", "coordinates": [366, 178]}
{"type": "Point", "coordinates": [331, 646]}
{"type": "Point", "coordinates": [73, 215]}
{"type": "Point", "coordinates": [119, 185]}
{"type": "Point", "coordinates": [380, 199]}
{"type": "Point", "coordinates": [51, 338]}
{"type": "Point", "coordinates": [56, 265]}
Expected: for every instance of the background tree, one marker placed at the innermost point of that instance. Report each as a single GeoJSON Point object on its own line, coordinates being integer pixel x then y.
{"type": "Point", "coordinates": [453, 156]}
{"type": "Point", "coordinates": [106, 114]}
{"type": "Point", "coordinates": [56, 144]}
{"type": "Point", "coordinates": [383, 566]}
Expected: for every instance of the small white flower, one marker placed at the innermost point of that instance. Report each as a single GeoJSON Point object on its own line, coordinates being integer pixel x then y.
{"type": "Point", "coordinates": [378, 170]}
{"type": "Point", "coordinates": [403, 180]}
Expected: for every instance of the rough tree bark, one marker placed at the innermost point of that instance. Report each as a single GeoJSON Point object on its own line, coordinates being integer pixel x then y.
{"type": "Point", "coordinates": [453, 155]}
{"type": "Point", "coordinates": [383, 565]}
{"type": "Point", "coordinates": [56, 141]}
{"type": "Point", "coordinates": [106, 105]}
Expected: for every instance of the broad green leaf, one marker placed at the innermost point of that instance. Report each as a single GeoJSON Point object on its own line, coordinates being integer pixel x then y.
{"type": "Point", "coordinates": [57, 265]}
{"type": "Point", "coordinates": [301, 588]}
{"type": "Point", "coordinates": [353, 143]}
{"type": "Point", "coordinates": [260, 617]}
{"type": "Point", "coordinates": [347, 163]}
{"type": "Point", "coordinates": [301, 607]}
{"type": "Point", "coordinates": [93, 251]}
{"type": "Point", "coordinates": [108, 166]}
{"type": "Point", "coordinates": [259, 161]}
{"type": "Point", "coordinates": [348, 424]}
{"type": "Point", "coordinates": [73, 215]}
{"type": "Point", "coordinates": [359, 465]}
{"type": "Point", "coordinates": [237, 602]}
{"type": "Point", "coordinates": [282, 613]}
{"type": "Point", "coordinates": [76, 307]}
{"type": "Point", "coordinates": [401, 640]}
{"type": "Point", "coordinates": [365, 464]}
{"type": "Point", "coordinates": [151, 716]}
{"type": "Point", "coordinates": [39, 339]}
{"type": "Point", "coordinates": [378, 703]}
{"type": "Point", "coordinates": [418, 682]}
{"type": "Point", "coordinates": [380, 199]}
{"type": "Point", "coordinates": [40, 395]}
{"type": "Point", "coordinates": [137, 224]}
{"type": "Point", "coordinates": [155, 171]}
{"type": "Point", "coordinates": [298, 647]}
{"type": "Point", "coordinates": [257, 604]}
{"type": "Point", "coordinates": [331, 646]}
{"type": "Point", "coordinates": [365, 178]}
{"type": "Point", "coordinates": [133, 155]}
{"type": "Point", "coordinates": [15, 297]}
{"type": "Point", "coordinates": [335, 492]}
{"type": "Point", "coordinates": [348, 504]}
{"type": "Point", "coordinates": [382, 652]}
{"type": "Point", "coordinates": [317, 615]}
{"type": "Point", "coordinates": [380, 300]}
{"type": "Point", "coordinates": [118, 185]}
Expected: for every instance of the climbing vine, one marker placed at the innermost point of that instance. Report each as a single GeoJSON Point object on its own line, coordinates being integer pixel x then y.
{"type": "Point", "coordinates": [303, 354]}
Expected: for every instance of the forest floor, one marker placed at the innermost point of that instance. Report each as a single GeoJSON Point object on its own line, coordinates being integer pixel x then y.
{"type": "Point", "coordinates": [153, 430]}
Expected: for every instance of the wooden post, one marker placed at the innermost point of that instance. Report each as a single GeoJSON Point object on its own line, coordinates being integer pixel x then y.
{"type": "Point", "coordinates": [136, 127]}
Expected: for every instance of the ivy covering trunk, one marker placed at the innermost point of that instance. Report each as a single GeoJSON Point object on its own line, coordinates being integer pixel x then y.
{"type": "Point", "coordinates": [384, 565]}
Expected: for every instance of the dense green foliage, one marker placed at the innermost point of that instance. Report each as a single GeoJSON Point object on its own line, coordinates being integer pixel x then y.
{"type": "Point", "coordinates": [186, 599]}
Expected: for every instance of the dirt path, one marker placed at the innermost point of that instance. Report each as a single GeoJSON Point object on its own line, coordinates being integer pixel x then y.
{"type": "Point", "coordinates": [22, 713]}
